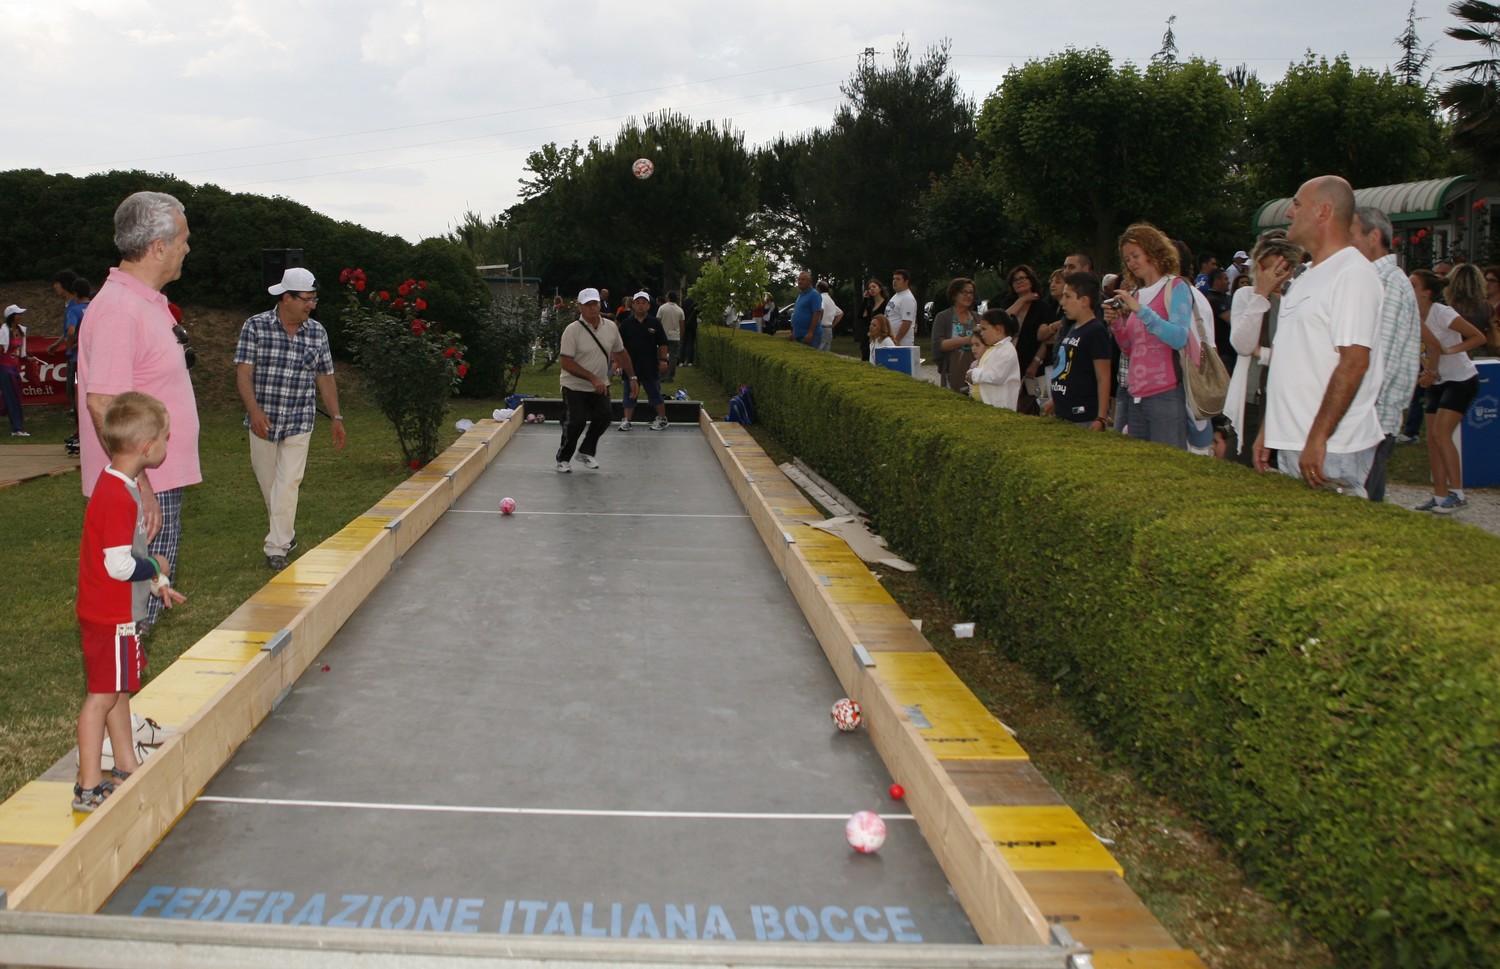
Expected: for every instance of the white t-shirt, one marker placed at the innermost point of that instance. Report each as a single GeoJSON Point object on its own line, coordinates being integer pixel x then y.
{"type": "Point", "coordinates": [1334, 304]}
{"type": "Point", "coordinates": [881, 344]}
{"type": "Point", "coordinates": [830, 310]}
{"type": "Point", "coordinates": [671, 317]}
{"type": "Point", "coordinates": [585, 351]}
{"type": "Point", "coordinates": [1450, 366]}
{"type": "Point", "coordinates": [903, 306]}
{"type": "Point", "coordinates": [997, 375]}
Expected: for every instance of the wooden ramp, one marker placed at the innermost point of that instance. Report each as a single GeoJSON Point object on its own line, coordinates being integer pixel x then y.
{"type": "Point", "coordinates": [22, 462]}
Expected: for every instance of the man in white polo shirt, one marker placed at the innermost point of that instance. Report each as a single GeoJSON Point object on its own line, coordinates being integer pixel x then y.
{"type": "Point", "coordinates": [1326, 364]}
{"type": "Point", "coordinates": [590, 344]}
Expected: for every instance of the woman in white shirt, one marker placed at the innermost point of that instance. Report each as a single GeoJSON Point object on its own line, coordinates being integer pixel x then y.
{"type": "Point", "coordinates": [880, 334]}
{"type": "Point", "coordinates": [996, 375]}
{"type": "Point", "coordinates": [1452, 383]}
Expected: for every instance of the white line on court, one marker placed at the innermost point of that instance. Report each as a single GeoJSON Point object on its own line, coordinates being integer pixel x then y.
{"type": "Point", "coordinates": [544, 812]}
{"type": "Point", "coordinates": [592, 514]}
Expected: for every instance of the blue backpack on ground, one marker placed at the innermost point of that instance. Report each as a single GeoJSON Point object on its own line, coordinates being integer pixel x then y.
{"type": "Point", "coordinates": [514, 400]}
{"type": "Point", "coordinates": [742, 407]}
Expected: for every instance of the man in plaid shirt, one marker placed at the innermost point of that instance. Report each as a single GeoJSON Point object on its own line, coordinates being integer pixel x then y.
{"type": "Point", "coordinates": [282, 359]}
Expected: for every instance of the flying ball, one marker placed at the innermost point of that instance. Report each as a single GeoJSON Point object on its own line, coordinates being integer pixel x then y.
{"type": "Point", "coordinates": [642, 168]}
{"type": "Point", "coordinates": [865, 831]}
{"type": "Point", "coordinates": [846, 715]}
{"type": "Point", "coordinates": [507, 505]}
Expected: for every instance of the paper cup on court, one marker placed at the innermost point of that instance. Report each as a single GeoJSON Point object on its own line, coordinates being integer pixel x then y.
{"type": "Point", "coordinates": [963, 630]}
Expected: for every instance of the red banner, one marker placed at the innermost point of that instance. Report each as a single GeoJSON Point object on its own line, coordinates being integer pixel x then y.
{"type": "Point", "coordinates": [44, 379]}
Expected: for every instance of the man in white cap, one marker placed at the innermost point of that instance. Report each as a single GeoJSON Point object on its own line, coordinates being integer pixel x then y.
{"type": "Point", "coordinates": [282, 363]}
{"type": "Point", "coordinates": [132, 342]}
{"type": "Point", "coordinates": [1238, 267]}
{"type": "Point", "coordinates": [589, 344]}
{"type": "Point", "coordinates": [12, 332]}
{"type": "Point", "coordinates": [646, 344]}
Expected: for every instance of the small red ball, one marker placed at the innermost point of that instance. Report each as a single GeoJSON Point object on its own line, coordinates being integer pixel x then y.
{"type": "Point", "coordinates": [897, 792]}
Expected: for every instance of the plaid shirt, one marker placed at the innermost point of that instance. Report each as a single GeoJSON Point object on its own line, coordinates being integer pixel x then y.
{"type": "Point", "coordinates": [1400, 343]}
{"type": "Point", "coordinates": [286, 370]}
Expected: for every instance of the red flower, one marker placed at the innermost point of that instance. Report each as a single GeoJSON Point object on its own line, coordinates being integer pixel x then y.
{"type": "Point", "coordinates": [384, 296]}
{"type": "Point", "coordinates": [421, 284]}
{"type": "Point", "coordinates": [404, 289]}
{"type": "Point", "coordinates": [359, 284]}
{"type": "Point", "coordinates": [418, 327]}
{"type": "Point", "coordinates": [1396, 241]}
{"type": "Point", "coordinates": [415, 463]}
{"type": "Point", "coordinates": [344, 276]}
{"type": "Point", "coordinates": [421, 305]}
{"type": "Point", "coordinates": [463, 370]}
{"type": "Point", "coordinates": [450, 351]}
{"type": "Point", "coordinates": [399, 304]}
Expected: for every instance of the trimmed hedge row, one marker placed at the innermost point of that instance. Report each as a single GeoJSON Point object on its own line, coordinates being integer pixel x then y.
{"type": "Point", "coordinates": [1314, 676]}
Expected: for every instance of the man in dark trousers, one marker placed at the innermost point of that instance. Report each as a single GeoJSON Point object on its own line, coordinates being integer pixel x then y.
{"type": "Point", "coordinates": [589, 344]}
{"type": "Point", "coordinates": [646, 345]}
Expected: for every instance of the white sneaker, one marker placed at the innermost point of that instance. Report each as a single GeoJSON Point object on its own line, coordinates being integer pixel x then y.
{"type": "Point", "coordinates": [624, 425]}
{"type": "Point", "coordinates": [563, 467]}
{"type": "Point", "coordinates": [660, 424]}
{"type": "Point", "coordinates": [589, 462]}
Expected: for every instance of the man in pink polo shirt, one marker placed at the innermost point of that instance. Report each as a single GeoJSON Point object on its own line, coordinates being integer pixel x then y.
{"type": "Point", "coordinates": [133, 343]}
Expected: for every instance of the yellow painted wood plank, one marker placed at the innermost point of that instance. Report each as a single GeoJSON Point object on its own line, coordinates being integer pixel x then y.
{"type": "Point", "coordinates": [320, 566]}
{"type": "Point", "coordinates": [1045, 838]}
{"type": "Point", "coordinates": [286, 592]}
{"type": "Point", "coordinates": [40, 813]}
{"type": "Point", "coordinates": [181, 689]}
{"type": "Point", "coordinates": [961, 728]}
{"type": "Point", "coordinates": [1146, 959]}
{"type": "Point", "coordinates": [861, 594]}
{"type": "Point", "coordinates": [229, 645]}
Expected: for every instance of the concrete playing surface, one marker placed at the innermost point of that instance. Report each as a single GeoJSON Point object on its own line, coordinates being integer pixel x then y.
{"type": "Point", "coordinates": [602, 716]}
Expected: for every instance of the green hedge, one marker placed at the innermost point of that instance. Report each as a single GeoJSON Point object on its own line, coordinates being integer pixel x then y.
{"type": "Point", "coordinates": [1313, 676]}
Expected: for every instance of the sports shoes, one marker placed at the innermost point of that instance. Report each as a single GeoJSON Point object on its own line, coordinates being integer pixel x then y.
{"type": "Point", "coordinates": [588, 461]}
{"type": "Point", "coordinates": [1451, 504]}
{"type": "Point", "coordinates": [660, 424]}
{"type": "Point", "coordinates": [19, 434]}
{"type": "Point", "coordinates": [292, 546]}
{"type": "Point", "coordinates": [1428, 505]}
{"type": "Point", "coordinates": [89, 800]}
{"type": "Point", "coordinates": [624, 425]}
{"type": "Point", "coordinates": [563, 467]}
{"type": "Point", "coordinates": [1406, 439]}
{"type": "Point", "coordinates": [275, 562]}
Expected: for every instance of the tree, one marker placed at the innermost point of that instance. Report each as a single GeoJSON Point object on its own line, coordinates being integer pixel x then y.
{"type": "Point", "coordinates": [1168, 52]}
{"type": "Point", "coordinates": [858, 185]}
{"type": "Point", "coordinates": [739, 280]}
{"type": "Point", "coordinates": [1082, 148]}
{"type": "Point", "coordinates": [1326, 118]}
{"type": "Point", "coordinates": [1474, 97]}
{"type": "Point", "coordinates": [1414, 57]}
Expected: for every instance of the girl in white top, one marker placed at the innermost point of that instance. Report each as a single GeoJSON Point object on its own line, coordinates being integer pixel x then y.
{"type": "Point", "coordinates": [996, 375]}
{"type": "Point", "coordinates": [880, 334]}
{"type": "Point", "coordinates": [1452, 381]}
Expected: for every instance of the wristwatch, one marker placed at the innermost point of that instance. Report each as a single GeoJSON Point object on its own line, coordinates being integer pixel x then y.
{"type": "Point", "coordinates": [338, 417]}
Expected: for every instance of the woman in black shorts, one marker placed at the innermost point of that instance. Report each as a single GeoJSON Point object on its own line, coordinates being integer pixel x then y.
{"type": "Point", "coordinates": [1452, 381]}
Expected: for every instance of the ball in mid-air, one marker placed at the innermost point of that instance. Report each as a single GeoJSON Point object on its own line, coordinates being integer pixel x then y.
{"type": "Point", "coordinates": [865, 831]}
{"type": "Point", "coordinates": [507, 505]}
{"type": "Point", "coordinates": [643, 168]}
{"type": "Point", "coordinates": [846, 715]}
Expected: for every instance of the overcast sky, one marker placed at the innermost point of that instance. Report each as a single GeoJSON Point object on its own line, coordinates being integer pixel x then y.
{"type": "Point", "coordinates": [401, 114]}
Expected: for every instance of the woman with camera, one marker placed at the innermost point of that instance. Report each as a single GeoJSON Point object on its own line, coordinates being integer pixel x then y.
{"type": "Point", "coordinates": [1159, 310]}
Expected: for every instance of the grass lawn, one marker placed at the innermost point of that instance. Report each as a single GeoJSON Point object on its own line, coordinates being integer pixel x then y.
{"type": "Point", "coordinates": [224, 523]}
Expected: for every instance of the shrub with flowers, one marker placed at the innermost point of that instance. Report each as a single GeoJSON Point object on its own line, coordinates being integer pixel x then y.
{"type": "Point", "coordinates": [409, 364]}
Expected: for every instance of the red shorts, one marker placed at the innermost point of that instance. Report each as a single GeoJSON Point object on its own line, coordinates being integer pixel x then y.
{"type": "Point", "coordinates": [113, 660]}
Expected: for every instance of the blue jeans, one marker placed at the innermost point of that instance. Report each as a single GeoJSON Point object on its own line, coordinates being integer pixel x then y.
{"type": "Point", "coordinates": [1414, 412]}
{"type": "Point", "coordinates": [1346, 473]}
{"type": "Point", "coordinates": [1162, 418]}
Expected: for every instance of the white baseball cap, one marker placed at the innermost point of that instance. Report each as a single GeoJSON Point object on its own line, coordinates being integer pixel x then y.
{"type": "Point", "coordinates": [1242, 254]}
{"type": "Point", "coordinates": [590, 295]}
{"type": "Point", "coordinates": [294, 281]}
{"type": "Point", "coordinates": [13, 309]}
{"type": "Point", "coordinates": [641, 295]}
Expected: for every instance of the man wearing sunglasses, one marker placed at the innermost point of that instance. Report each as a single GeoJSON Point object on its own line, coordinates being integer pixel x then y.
{"type": "Point", "coordinates": [282, 363]}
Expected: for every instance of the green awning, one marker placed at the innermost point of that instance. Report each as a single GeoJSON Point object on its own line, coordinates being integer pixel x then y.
{"type": "Point", "coordinates": [1407, 202]}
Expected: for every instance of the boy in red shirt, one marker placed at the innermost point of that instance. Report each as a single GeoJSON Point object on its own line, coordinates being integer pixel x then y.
{"type": "Point", "coordinates": [115, 578]}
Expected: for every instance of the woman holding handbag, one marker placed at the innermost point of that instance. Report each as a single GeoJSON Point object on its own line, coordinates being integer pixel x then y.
{"type": "Point", "coordinates": [1159, 309]}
